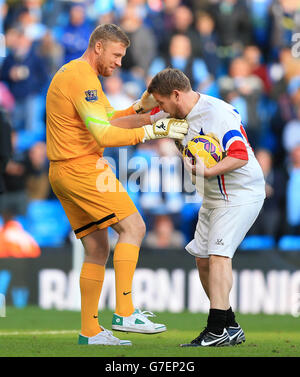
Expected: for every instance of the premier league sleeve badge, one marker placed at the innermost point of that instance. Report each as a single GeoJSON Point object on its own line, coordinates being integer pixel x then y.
{"type": "Point", "coordinates": [91, 95]}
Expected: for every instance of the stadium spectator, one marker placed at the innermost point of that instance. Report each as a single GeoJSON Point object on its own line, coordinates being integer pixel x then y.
{"type": "Point", "coordinates": [233, 26]}
{"type": "Point", "coordinates": [37, 182]}
{"type": "Point", "coordinates": [161, 181]}
{"type": "Point", "coordinates": [184, 24]}
{"type": "Point", "coordinates": [15, 242]}
{"type": "Point", "coordinates": [99, 8]}
{"type": "Point", "coordinates": [52, 53]}
{"type": "Point", "coordinates": [11, 37]}
{"type": "Point", "coordinates": [161, 21]}
{"type": "Point", "coordinates": [291, 131]}
{"type": "Point", "coordinates": [56, 15]}
{"type": "Point", "coordinates": [11, 13]}
{"type": "Point", "coordinates": [243, 90]}
{"type": "Point", "coordinates": [289, 63]}
{"type": "Point", "coordinates": [115, 92]}
{"type": "Point", "coordinates": [164, 235]}
{"type": "Point", "coordinates": [107, 18]}
{"type": "Point", "coordinates": [271, 221]}
{"type": "Point", "coordinates": [142, 47]}
{"type": "Point", "coordinates": [7, 101]}
{"type": "Point", "coordinates": [285, 95]}
{"type": "Point", "coordinates": [31, 9]}
{"type": "Point", "coordinates": [15, 176]}
{"type": "Point", "coordinates": [29, 22]}
{"type": "Point", "coordinates": [75, 35]}
{"type": "Point", "coordinates": [291, 142]}
{"type": "Point", "coordinates": [285, 20]}
{"type": "Point", "coordinates": [180, 56]}
{"type": "Point", "coordinates": [3, 11]}
{"type": "Point", "coordinates": [261, 21]}
{"type": "Point", "coordinates": [254, 57]}
{"type": "Point", "coordinates": [207, 42]}
{"type": "Point", "coordinates": [294, 90]}
{"type": "Point", "coordinates": [5, 146]}
{"type": "Point", "coordinates": [292, 194]}
{"type": "Point", "coordinates": [25, 74]}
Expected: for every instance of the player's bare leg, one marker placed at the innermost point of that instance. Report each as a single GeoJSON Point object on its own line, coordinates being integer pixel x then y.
{"type": "Point", "coordinates": [96, 247]}
{"type": "Point", "coordinates": [203, 270]}
{"type": "Point", "coordinates": [219, 281]}
{"type": "Point", "coordinates": [131, 230]}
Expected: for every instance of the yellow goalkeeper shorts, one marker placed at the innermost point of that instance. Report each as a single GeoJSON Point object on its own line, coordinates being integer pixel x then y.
{"type": "Point", "coordinates": [90, 193]}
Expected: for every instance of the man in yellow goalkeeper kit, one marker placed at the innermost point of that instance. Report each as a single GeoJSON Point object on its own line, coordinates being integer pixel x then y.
{"type": "Point", "coordinates": [80, 124]}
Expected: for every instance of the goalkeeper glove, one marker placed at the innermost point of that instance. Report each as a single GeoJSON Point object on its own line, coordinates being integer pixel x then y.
{"type": "Point", "coordinates": [167, 127]}
{"type": "Point", "coordinates": [145, 103]}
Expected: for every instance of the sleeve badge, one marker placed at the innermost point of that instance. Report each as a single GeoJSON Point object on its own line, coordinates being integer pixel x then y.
{"type": "Point", "coordinates": [91, 95]}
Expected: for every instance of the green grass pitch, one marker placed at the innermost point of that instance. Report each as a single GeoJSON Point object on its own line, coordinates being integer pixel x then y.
{"type": "Point", "coordinates": [33, 332]}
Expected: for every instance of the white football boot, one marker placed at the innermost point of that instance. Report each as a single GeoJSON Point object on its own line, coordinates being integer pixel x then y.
{"type": "Point", "coordinates": [104, 338]}
{"type": "Point", "coordinates": [137, 322]}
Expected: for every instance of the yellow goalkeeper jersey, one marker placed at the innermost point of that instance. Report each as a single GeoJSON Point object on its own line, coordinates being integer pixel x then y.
{"type": "Point", "coordinates": [78, 115]}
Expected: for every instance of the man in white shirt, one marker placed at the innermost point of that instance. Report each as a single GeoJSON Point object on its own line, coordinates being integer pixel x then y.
{"type": "Point", "coordinates": [233, 194]}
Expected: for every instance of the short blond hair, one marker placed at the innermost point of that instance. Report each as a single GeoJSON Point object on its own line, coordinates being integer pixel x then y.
{"type": "Point", "coordinates": [108, 32]}
{"type": "Point", "coordinates": [167, 80]}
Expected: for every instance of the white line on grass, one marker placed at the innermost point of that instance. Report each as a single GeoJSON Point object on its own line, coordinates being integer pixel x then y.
{"type": "Point", "coordinates": [40, 332]}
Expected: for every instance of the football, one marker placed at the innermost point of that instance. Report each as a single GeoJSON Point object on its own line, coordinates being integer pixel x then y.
{"type": "Point", "coordinates": [206, 147]}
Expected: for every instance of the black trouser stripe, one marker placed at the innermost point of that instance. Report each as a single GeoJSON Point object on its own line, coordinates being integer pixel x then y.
{"type": "Point", "coordinates": [106, 218]}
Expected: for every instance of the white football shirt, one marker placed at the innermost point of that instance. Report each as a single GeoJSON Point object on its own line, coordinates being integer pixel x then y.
{"type": "Point", "coordinates": [244, 185]}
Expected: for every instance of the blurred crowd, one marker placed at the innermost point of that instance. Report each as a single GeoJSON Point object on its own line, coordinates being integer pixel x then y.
{"type": "Point", "coordinates": [246, 52]}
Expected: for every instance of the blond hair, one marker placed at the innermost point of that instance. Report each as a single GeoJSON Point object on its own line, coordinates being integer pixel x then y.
{"type": "Point", "coordinates": [108, 32]}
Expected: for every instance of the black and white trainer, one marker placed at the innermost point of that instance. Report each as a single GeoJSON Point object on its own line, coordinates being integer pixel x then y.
{"type": "Point", "coordinates": [209, 339]}
{"type": "Point", "coordinates": [236, 335]}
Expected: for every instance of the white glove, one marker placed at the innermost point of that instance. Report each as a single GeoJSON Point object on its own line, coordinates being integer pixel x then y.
{"type": "Point", "coordinates": [146, 103]}
{"type": "Point", "coordinates": [160, 115]}
{"type": "Point", "coordinates": [167, 127]}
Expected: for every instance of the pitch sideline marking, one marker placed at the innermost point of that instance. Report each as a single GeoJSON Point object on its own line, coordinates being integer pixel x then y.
{"type": "Point", "coordinates": [40, 332]}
